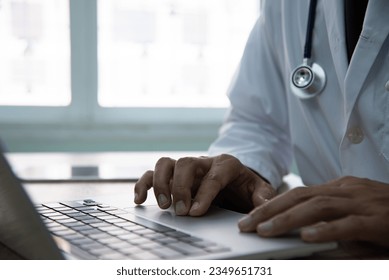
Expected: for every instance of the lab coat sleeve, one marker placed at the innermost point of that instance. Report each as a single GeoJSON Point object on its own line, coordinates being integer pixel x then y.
{"type": "Point", "coordinates": [256, 128]}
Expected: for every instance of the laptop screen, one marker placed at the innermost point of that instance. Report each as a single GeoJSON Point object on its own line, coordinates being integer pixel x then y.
{"type": "Point", "coordinates": [21, 228]}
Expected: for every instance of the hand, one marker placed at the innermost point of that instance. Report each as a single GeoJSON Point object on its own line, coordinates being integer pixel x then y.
{"type": "Point", "coordinates": [192, 184]}
{"type": "Point", "coordinates": [346, 209]}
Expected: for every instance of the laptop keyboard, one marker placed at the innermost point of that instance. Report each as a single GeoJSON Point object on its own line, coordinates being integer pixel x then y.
{"type": "Point", "coordinates": [106, 232]}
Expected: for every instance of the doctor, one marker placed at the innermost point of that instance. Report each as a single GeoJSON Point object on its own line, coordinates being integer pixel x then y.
{"type": "Point", "coordinates": [339, 137]}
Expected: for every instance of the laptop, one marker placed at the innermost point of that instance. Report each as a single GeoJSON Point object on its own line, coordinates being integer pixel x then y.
{"type": "Point", "coordinates": [114, 228]}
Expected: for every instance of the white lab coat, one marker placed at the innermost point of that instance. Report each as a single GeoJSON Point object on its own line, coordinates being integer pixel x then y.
{"type": "Point", "coordinates": [343, 131]}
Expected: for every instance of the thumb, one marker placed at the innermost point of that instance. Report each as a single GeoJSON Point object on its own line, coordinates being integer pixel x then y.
{"type": "Point", "coordinates": [262, 193]}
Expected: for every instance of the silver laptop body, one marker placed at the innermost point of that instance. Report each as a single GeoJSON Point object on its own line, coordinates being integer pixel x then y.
{"type": "Point", "coordinates": [41, 235]}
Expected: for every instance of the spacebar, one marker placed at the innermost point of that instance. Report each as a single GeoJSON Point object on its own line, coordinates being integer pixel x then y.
{"type": "Point", "coordinates": [146, 223]}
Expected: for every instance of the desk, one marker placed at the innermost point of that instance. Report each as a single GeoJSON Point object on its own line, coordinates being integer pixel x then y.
{"type": "Point", "coordinates": [107, 166]}
{"type": "Point", "coordinates": [64, 190]}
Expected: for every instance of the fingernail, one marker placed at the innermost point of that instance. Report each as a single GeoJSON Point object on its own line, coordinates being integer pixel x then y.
{"type": "Point", "coordinates": [180, 208]}
{"type": "Point", "coordinates": [245, 221]}
{"type": "Point", "coordinates": [162, 199]}
{"type": "Point", "coordinates": [265, 227]}
{"type": "Point", "coordinates": [136, 197]}
{"type": "Point", "coordinates": [195, 206]}
{"type": "Point", "coordinates": [309, 233]}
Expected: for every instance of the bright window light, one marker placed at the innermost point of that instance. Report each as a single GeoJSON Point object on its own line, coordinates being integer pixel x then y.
{"type": "Point", "coordinates": [34, 53]}
{"type": "Point", "coordinates": [170, 53]}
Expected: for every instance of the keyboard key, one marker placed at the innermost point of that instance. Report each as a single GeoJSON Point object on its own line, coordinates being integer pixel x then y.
{"type": "Point", "coordinates": [115, 212]}
{"type": "Point", "coordinates": [119, 245]}
{"type": "Point", "coordinates": [74, 236]}
{"type": "Point", "coordinates": [144, 231]}
{"type": "Point", "coordinates": [109, 227]}
{"type": "Point", "coordinates": [217, 249]}
{"type": "Point", "coordinates": [108, 208]}
{"type": "Point", "coordinates": [102, 206]}
{"type": "Point", "coordinates": [99, 214]}
{"type": "Point", "coordinates": [53, 215]}
{"type": "Point", "coordinates": [166, 240]}
{"type": "Point", "coordinates": [186, 249]}
{"type": "Point", "coordinates": [45, 210]}
{"type": "Point", "coordinates": [90, 202]}
{"type": "Point", "coordinates": [101, 251]}
{"type": "Point", "coordinates": [134, 227]}
{"type": "Point", "coordinates": [41, 208]}
{"type": "Point", "coordinates": [154, 235]}
{"type": "Point", "coordinates": [139, 241]}
{"type": "Point", "coordinates": [191, 239]}
{"type": "Point", "coordinates": [177, 234]}
{"type": "Point", "coordinates": [166, 253]}
{"type": "Point", "coordinates": [101, 225]}
{"type": "Point", "coordinates": [110, 233]}
{"type": "Point", "coordinates": [84, 217]}
{"type": "Point", "coordinates": [55, 205]}
{"type": "Point", "coordinates": [130, 250]}
{"type": "Point", "coordinates": [92, 221]}
{"type": "Point", "coordinates": [70, 211]}
{"type": "Point", "coordinates": [91, 211]}
{"type": "Point", "coordinates": [100, 235]}
{"type": "Point", "coordinates": [150, 245]}
{"type": "Point", "coordinates": [82, 228]}
{"type": "Point", "coordinates": [146, 223]}
{"type": "Point", "coordinates": [85, 241]}
{"type": "Point", "coordinates": [53, 225]}
{"type": "Point", "coordinates": [128, 236]}
{"type": "Point", "coordinates": [59, 217]}
{"type": "Point", "coordinates": [203, 244]}
{"type": "Point", "coordinates": [63, 232]}
{"type": "Point", "coordinates": [76, 214]}
{"type": "Point", "coordinates": [113, 256]}
{"type": "Point", "coordinates": [91, 231]}
{"type": "Point", "coordinates": [146, 256]}
{"type": "Point", "coordinates": [114, 220]}
{"type": "Point", "coordinates": [118, 232]}
{"type": "Point", "coordinates": [110, 240]}
{"type": "Point", "coordinates": [75, 224]}
{"type": "Point", "coordinates": [72, 204]}
{"type": "Point", "coordinates": [67, 221]}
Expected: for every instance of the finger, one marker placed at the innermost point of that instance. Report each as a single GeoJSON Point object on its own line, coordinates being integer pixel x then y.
{"type": "Point", "coordinates": [222, 171]}
{"type": "Point", "coordinates": [142, 186]}
{"type": "Point", "coordinates": [285, 201]}
{"type": "Point", "coordinates": [163, 173]}
{"type": "Point", "coordinates": [262, 193]}
{"type": "Point", "coordinates": [185, 172]}
{"type": "Point", "coordinates": [271, 208]}
{"type": "Point", "coordinates": [352, 227]}
{"type": "Point", "coordinates": [317, 209]}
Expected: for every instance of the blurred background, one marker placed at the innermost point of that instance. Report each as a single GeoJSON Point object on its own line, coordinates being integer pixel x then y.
{"type": "Point", "coordinates": [118, 75]}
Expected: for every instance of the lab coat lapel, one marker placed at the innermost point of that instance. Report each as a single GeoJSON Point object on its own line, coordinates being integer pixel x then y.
{"type": "Point", "coordinates": [374, 34]}
{"type": "Point", "coordinates": [334, 19]}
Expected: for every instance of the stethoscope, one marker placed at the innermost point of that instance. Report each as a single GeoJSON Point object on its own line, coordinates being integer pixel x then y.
{"type": "Point", "coordinates": [308, 80]}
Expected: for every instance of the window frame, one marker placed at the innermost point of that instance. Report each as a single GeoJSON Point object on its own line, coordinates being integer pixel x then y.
{"type": "Point", "coordinates": [41, 128]}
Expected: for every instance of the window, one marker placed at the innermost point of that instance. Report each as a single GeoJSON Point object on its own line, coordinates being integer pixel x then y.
{"type": "Point", "coordinates": [134, 73]}
{"type": "Point", "coordinates": [170, 53]}
{"type": "Point", "coordinates": [35, 53]}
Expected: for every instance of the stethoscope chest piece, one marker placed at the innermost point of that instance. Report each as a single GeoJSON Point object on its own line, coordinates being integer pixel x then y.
{"type": "Point", "coordinates": [307, 81]}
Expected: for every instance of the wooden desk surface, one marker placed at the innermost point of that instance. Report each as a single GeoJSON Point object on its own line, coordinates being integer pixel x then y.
{"type": "Point", "coordinates": [64, 191]}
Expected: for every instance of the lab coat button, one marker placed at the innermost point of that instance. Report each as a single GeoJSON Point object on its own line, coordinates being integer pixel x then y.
{"type": "Point", "coordinates": [355, 135]}
{"type": "Point", "coordinates": [387, 86]}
